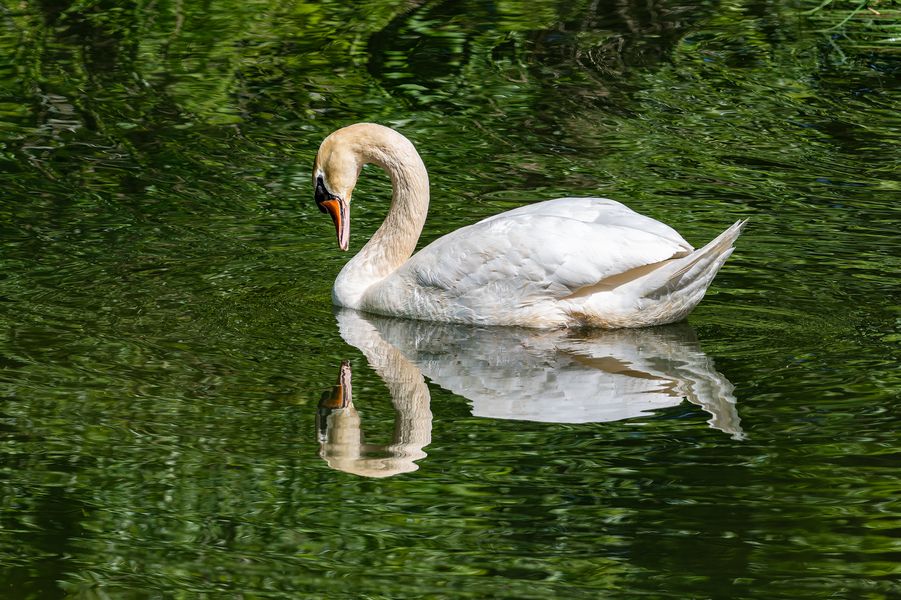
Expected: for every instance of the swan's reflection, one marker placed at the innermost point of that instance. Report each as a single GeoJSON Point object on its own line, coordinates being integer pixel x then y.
{"type": "Point", "coordinates": [559, 376]}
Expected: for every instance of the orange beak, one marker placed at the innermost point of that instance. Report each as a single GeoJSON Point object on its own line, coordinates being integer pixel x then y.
{"type": "Point", "coordinates": [338, 211]}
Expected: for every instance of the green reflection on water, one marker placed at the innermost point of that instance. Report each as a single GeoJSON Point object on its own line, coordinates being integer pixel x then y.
{"type": "Point", "coordinates": [165, 290]}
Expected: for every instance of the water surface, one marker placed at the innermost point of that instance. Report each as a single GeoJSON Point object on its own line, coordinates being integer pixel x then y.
{"type": "Point", "coordinates": [170, 354]}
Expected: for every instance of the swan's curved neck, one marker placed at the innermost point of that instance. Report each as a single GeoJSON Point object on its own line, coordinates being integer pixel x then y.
{"type": "Point", "coordinates": [394, 242]}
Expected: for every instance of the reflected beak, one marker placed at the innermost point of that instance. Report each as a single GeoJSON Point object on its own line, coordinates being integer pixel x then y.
{"type": "Point", "coordinates": [337, 208]}
{"type": "Point", "coordinates": [340, 395]}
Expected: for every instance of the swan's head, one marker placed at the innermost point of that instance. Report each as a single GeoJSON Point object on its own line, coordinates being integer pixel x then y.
{"type": "Point", "coordinates": [341, 158]}
{"type": "Point", "coordinates": [335, 172]}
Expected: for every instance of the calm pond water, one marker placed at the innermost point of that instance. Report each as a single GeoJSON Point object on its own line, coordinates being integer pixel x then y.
{"type": "Point", "coordinates": [172, 370]}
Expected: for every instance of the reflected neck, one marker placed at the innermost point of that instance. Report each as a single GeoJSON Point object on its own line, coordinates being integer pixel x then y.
{"type": "Point", "coordinates": [343, 446]}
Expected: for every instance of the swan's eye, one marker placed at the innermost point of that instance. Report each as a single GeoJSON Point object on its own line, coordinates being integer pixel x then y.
{"type": "Point", "coordinates": [322, 194]}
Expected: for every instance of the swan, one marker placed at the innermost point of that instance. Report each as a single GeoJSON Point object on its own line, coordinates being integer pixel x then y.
{"type": "Point", "coordinates": [569, 262]}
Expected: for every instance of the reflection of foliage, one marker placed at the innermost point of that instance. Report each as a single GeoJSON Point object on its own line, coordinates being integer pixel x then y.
{"type": "Point", "coordinates": [860, 26]}
{"type": "Point", "coordinates": [165, 301]}
{"type": "Point", "coordinates": [186, 66]}
{"type": "Point", "coordinates": [531, 53]}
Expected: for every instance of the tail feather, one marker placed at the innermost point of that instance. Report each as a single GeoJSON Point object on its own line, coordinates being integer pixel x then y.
{"type": "Point", "coordinates": [692, 273]}
{"type": "Point", "coordinates": [663, 295]}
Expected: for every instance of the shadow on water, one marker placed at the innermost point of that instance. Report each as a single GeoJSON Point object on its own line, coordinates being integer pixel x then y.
{"type": "Point", "coordinates": [558, 376]}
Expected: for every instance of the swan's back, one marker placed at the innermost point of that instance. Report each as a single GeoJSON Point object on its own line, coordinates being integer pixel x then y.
{"type": "Point", "coordinates": [601, 211]}
{"type": "Point", "coordinates": [564, 262]}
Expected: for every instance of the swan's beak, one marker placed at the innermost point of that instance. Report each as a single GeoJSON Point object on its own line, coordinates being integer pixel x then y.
{"type": "Point", "coordinates": [338, 210]}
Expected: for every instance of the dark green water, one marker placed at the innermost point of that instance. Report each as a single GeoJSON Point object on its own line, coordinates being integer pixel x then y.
{"type": "Point", "coordinates": [167, 332]}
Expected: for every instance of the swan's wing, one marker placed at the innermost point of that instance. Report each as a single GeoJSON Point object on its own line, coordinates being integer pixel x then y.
{"type": "Point", "coordinates": [599, 211]}
{"type": "Point", "coordinates": [539, 252]}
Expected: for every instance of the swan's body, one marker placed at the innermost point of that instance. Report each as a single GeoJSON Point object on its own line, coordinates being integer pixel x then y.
{"type": "Point", "coordinates": [560, 263]}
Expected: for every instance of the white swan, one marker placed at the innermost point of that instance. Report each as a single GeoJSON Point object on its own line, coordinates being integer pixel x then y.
{"type": "Point", "coordinates": [561, 263]}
